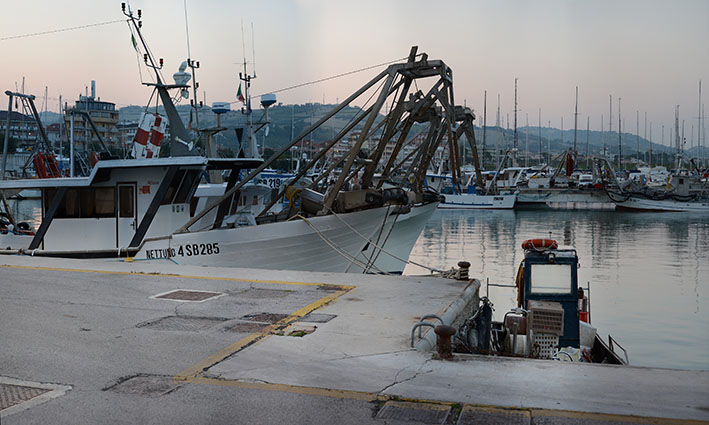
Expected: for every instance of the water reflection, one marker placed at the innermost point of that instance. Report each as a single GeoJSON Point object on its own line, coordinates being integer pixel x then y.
{"type": "Point", "coordinates": [647, 272]}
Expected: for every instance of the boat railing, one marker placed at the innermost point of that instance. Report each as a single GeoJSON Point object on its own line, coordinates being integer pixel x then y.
{"type": "Point", "coordinates": [612, 343]}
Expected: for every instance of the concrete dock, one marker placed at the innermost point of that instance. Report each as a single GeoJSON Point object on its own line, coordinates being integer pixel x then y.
{"type": "Point", "coordinates": [92, 341]}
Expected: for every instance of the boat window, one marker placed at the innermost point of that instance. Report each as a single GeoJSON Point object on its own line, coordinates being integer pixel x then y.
{"type": "Point", "coordinates": [83, 203]}
{"type": "Point", "coordinates": [125, 201]}
{"type": "Point", "coordinates": [550, 279]}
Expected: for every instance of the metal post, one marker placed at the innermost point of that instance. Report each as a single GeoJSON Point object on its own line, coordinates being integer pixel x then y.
{"type": "Point", "coordinates": [71, 145]}
{"type": "Point", "coordinates": [7, 136]}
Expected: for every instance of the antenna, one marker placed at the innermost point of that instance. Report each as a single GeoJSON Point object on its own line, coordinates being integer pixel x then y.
{"type": "Point", "coordinates": [187, 31]}
{"type": "Point", "coordinates": [253, 50]}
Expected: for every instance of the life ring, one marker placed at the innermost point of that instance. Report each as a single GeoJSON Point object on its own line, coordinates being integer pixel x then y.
{"type": "Point", "coordinates": [539, 244]}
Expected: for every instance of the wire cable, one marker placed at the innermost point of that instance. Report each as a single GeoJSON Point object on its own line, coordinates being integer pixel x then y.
{"type": "Point", "coordinates": [14, 37]}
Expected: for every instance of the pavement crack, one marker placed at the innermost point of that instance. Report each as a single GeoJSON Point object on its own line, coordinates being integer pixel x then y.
{"type": "Point", "coordinates": [414, 376]}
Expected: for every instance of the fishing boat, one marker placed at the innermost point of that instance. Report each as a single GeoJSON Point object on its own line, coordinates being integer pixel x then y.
{"type": "Point", "coordinates": [144, 207]}
{"type": "Point", "coordinates": [683, 193]}
{"type": "Point", "coordinates": [552, 319]}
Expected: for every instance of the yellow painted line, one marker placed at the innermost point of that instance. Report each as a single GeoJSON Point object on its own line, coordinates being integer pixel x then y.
{"type": "Point", "coordinates": [322, 392]}
{"type": "Point", "coordinates": [190, 373]}
{"type": "Point", "coordinates": [614, 417]}
{"type": "Point", "coordinates": [230, 279]}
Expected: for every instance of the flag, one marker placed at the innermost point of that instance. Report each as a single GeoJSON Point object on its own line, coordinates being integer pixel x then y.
{"type": "Point", "coordinates": [135, 44]}
{"type": "Point", "coordinates": [239, 95]}
{"type": "Point", "coordinates": [189, 124]}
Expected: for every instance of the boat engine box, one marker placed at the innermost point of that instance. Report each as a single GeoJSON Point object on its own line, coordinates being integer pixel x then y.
{"type": "Point", "coordinates": [357, 200]}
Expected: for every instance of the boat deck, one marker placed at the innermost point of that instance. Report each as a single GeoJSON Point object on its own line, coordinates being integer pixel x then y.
{"type": "Point", "coordinates": [89, 342]}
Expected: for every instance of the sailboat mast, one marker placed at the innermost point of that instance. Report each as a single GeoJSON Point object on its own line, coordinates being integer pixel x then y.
{"type": "Point", "coordinates": [576, 114]}
{"type": "Point", "coordinates": [637, 135]}
{"type": "Point", "coordinates": [482, 159]}
{"type": "Point", "coordinates": [588, 128]}
{"type": "Point", "coordinates": [514, 139]}
{"type": "Point", "coordinates": [699, 126]}
{"type": "Point", "coordinates": [526, 140]}
{"type": "Point", "coordinates": [540, 135]}
{"type": "Point", "coordinates": [620, 143]}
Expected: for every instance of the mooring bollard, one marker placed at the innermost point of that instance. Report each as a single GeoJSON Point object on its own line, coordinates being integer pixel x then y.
{"type": "Point", "coordinates": [463, 271]}
{"type": "Point", "coordinates": [444, 332]}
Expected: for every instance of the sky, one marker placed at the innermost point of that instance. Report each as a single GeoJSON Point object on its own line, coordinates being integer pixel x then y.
{"type": "Point", "coordinates": [650, 53]}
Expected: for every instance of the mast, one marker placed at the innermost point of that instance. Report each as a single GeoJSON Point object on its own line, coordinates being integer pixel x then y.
{"type": "Point", "coordinates": [645, 134]}
{"type": "Point", "coordinates": [699, 125]}
{"type": "Point", "coordinates": [620, 142]}
{"type": "Point", "coordinates": [540, 135]}
{"type": "Point", "coordinates": [588, 127]}
{"type": "Point", "coordinates": [650, 162]}
{"type": "Point", "coordinates": [526, 140]}
{"type": "Point", "coordinates": [482, 162]}
{"type": "Point", "coordinates": [637, 135]}
{"type": "Point", "coordinates": [514, 137]}
{"type": "Point", "coordinates": [603, 140]}
{"type": "Point", "coordinates": [576, 114]}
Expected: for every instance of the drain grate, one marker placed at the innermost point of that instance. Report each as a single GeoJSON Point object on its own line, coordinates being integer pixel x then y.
{"type": "Point", "coordinates": [11, 395]}
{"type": "Point", "coordinates": [318, 318]}
{"type": "Point", "coordinates": [264, 293]}
{"type": "Point", "coordinates": [414, 412]}
{"type": "Point", "coordinates": [246, 327]}
{"type": "Point", "coordinates": [147, 385]}
{"type": "Point", "coordinates": [484, 415]}
{"type": "Point", "coordinates": [265, 317]}
{"type": "Point", "coordinates": [181, 323]}
{"type": "Point", "coordinates": [187, 295]}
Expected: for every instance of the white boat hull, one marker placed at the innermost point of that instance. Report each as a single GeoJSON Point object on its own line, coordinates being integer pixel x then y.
{"type": "Point", "coordinates": [663, 205]}
{"type": "Point", "coordinates": [326, 243]}
{"type": "Point", "coordinates": [472, 201]}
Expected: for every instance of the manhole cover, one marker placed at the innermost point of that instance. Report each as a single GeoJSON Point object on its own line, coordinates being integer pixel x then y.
{"type": "Point", "coordinates": [246, 327]}
{"type": "Point", "coordinates": [17, 395]}
{"type": "Point", "coordinates": [187, 295]}
{"type": "Point", "coordinates": [414, 412]}
{"type": "Point", "coordinates": [318, 318]}
{"type": "Point", "coordinates": [11, 395]}
{"type": "Point", "coordinates": [148, 385]}
{"type": "Point", "coordinates": [483, 415]}
{"type": "Point", "coordinates": [264, 293]}
{"type": "Point", "coordinates": [181, 323]}
{"type": "Point", "coordinates": [265, 317]}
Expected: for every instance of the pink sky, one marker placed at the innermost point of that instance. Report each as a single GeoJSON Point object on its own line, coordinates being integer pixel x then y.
{"type": "Point", "coordinates": [649, 53]}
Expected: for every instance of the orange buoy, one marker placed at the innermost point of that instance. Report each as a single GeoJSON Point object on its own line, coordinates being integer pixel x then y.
{"type": "Point", "coordinates": [539, 244]}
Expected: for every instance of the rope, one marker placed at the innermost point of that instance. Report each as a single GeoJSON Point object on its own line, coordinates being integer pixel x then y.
{"type": "Point", "coordinates": [344, 74]}
{"type": "Point", "coordinates": [342, 252]}
{"type": "Point", "coordinates": [13, 37]}
{"type": "Point", "coordinates": [431, 269]}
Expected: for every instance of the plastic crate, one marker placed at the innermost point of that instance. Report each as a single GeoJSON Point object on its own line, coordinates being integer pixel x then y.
{"type": "Point", "coordinates": [546, 345]}
{"type": "Point", "coordinates": [546, 317]}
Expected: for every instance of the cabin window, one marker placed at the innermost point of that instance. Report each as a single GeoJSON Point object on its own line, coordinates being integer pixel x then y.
{"type": "Point", "coordinates": [125, 202]}
{"type": "Point", "coordinates": [83, 202]}
{"type": "Point", "coordinates": [550, 279]}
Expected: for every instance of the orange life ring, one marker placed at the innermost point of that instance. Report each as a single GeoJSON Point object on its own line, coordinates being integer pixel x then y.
{"type": "Point", "coordinates": [539, 244]}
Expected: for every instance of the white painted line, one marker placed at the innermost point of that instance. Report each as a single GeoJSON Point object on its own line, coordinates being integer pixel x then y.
{"type": "Point", "coordinates": [56, 390]}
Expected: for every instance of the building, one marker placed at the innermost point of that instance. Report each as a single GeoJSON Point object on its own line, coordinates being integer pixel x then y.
{"type": "Point", "coordinates": [23, 128]}
{"type": "Point", "coordinates": [103, 114]}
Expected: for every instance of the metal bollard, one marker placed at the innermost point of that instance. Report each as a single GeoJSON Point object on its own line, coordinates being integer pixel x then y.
{"type": "Point", "coordinates": [445, 349]}
{"type": "Point", "coordinates": [463, 272]}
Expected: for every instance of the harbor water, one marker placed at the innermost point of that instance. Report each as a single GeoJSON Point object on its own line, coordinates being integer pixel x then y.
{"type": "Point", "coordinates": [648, 272]}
